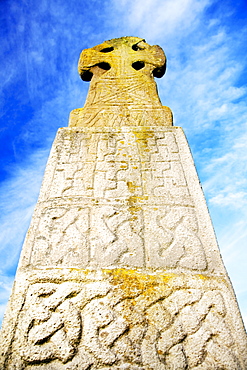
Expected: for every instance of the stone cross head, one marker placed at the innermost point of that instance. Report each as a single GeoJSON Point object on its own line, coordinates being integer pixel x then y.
{"type": "Point", "coordinates": [120, 58]}
{"type": "Point", "coordinates": [122, 88]}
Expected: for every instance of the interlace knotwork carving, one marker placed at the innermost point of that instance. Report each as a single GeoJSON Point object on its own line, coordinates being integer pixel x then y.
{"type": "Point", "coordinates": [132, 321]}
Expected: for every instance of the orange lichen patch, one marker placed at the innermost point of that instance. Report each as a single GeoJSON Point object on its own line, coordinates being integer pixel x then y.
{"type": "Point", "coordinates": [142, 137]}
{"type": "Point", "coordinates": [134, 209]}
{"type": "Point", "coordinates": [131, 186]}
{"type": "Point", "coordinates": [131, 281]}
{"type": "Point", "coordinates": [134, 199]}
{"type": "Point", "coordinates": [203, 277]}
{"type": "Point", "coordinates": [143, 133]}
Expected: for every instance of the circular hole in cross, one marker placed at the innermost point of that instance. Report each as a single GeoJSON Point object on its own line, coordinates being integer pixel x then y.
{"type": "Point", "coordinates": [135, 47]}
{"type": "Point", "coordinates": [138, 65]}
{"type": "Point", "coordinates": [138, 46]}
{"type": "Point", "coordinates": [107, 50]}
{"type": "Point", "coordinates": [86, 75]}
{"type": "Point", "coordinates": [104, 65]}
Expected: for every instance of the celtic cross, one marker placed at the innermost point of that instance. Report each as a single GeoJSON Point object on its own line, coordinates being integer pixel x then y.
{"type": "Point", "coordinates": [121, 74]}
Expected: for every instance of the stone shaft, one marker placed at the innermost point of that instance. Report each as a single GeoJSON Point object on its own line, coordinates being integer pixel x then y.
{"type": "Point", "coordinates": [120, 267]}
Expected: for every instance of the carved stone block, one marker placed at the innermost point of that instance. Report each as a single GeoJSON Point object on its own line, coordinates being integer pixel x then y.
{"type": "Point", "coordinates": [122, 318]}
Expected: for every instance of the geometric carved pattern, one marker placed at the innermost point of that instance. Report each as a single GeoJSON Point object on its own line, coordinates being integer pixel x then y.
{"type": "Point", "coordinates": [131, 204]}
{"type": "Point", "coordinates": [174, 240]}
{"type": "Point", "coordinates": [119, 210]}
{"type": "Point", "coordinates": [94, 117]}
{"type": "Point", "coordinates": [61, 237]}
{"type": "Point", "coordinates": [126, 322]}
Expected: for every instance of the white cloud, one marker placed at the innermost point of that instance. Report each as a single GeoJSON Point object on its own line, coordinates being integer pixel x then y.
{"type": "Point", "coordinates": [202, 88]}
{"type": "Point", "coordinates": [152, 18]}
{"type": "Point", "coordinates": [18, 196]}
{"type": "Point", "coordinates": [227, 174]}
{"type": "Point", "coordinates": [234, 199]}
{"type": "Point", "coordinates": [5, 289]}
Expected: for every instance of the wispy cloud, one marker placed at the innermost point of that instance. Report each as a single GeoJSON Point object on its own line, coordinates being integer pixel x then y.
{"type": "Point", "coordinates": [5, 289]}
{"type": "Point", "coordinates": [154, 18]}
{"type": "Point", "coordinates": [227, 174]}
{"type": "Point", "coordinates": [18, 196]}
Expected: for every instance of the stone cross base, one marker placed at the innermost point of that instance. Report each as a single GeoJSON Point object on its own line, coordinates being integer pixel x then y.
{"type": "Point", "coordinates": [120, 267]}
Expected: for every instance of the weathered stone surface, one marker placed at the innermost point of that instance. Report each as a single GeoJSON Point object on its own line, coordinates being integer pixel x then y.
{"type": "Point", "coordinates": [120, 267]}
{"type": "Point", "coordinates": [125, 319]}
{"type": "Point", "coordinates": [126, 197]}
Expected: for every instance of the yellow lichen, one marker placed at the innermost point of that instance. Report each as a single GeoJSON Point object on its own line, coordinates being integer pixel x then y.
{"type": "Point", "coordinates": [203, 277]}
{"type": "Point", "coordinates": [130, 281]}
{"type": "Point", "coordinates": [142, 135]}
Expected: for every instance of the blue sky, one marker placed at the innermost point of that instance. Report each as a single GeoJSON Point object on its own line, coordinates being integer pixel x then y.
{"type": "Point", "coordinates": [205, 86]}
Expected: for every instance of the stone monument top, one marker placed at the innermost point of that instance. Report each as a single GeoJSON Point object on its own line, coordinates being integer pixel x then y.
{"type": "Point", "coordinates": [122, 84]}
{"type": "Point", "coordinates": [122, 57]}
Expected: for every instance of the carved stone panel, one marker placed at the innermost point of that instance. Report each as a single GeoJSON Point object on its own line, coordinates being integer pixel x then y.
{"type": "Point", "coordinates": [172, 239]}
{"type": "Point", "coordinates": [61, 238]}
{"type": "Point", "coordinates": [125, 319]}
{"type": "Point", "coordinates": [126, 197]}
